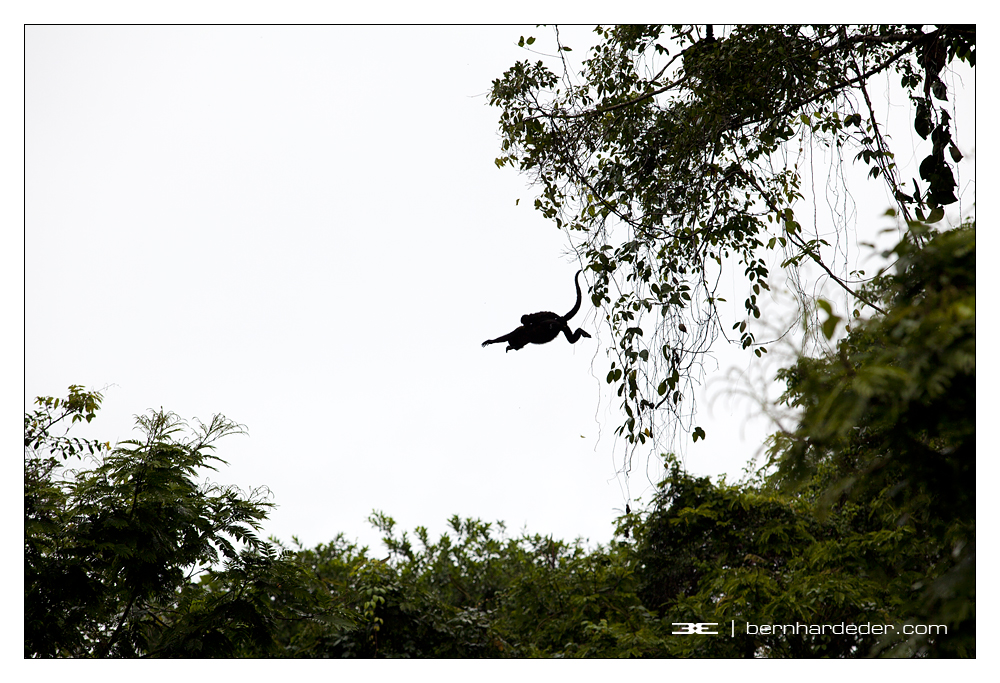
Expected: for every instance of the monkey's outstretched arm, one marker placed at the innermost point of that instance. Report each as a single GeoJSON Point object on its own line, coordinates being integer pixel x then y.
{"type": "Point", "coordinates": [505, 338]}
{"type": "Point", "coordinates": [516, 340]}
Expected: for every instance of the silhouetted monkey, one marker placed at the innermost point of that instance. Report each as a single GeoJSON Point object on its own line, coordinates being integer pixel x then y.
{"type": "Point", "coordinates": [543, 327]}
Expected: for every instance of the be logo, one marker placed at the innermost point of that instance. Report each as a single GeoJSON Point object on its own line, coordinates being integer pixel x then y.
{"type": "Point", "coordinates": [694, 629]}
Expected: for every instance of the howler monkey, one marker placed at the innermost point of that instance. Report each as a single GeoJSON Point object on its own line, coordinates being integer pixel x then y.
{"type": "Point", "coordinates": [543, 327]}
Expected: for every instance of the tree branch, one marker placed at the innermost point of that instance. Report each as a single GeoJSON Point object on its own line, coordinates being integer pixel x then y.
{"type": "Point", "coordinates": [106, 648]}
{"type": "Point", "coordinates": [814, 96]}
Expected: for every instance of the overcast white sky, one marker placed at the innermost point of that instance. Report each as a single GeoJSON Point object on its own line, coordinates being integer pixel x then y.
{"type": "Point", "coordinates": [303, 228]}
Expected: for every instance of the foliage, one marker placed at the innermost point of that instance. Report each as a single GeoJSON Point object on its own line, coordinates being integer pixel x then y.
{"type": "Point", "coordinates": [720, 553]}
{"type": "Point", "coordinates": [475, 593]}
{"type": "Point", "coordinates": [668, 156]}
{"type": "Point", "coordinates": [79, 405]}
{"type": "Point", "coordinates": [397, 614]}
{"type": "Point", "coordinates": [892, 413]}
{"type": "Point", "coordinates": [110, 551]}
{"type": "Point", "coordinates": [703, 553]}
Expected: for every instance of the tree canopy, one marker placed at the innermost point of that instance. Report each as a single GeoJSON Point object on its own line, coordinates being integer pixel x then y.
{"type": "Point", "coordinates": [889, 417]}
{"type": "Point", "coordinates": [672, 152]}
{"type": "Point", "coordinates": [111, 551]}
